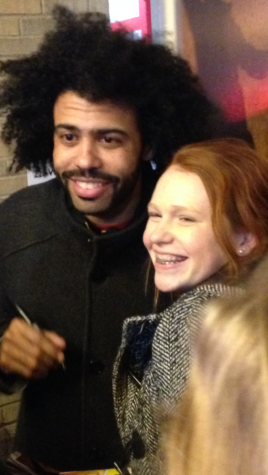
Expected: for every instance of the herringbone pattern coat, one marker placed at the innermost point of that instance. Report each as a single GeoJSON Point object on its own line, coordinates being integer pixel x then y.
{"type": "Point", "coordinates": [152, 368]}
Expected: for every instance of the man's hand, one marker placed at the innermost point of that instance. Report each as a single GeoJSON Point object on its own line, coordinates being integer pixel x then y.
{"type": "Point", "coordinates": [29, 352]}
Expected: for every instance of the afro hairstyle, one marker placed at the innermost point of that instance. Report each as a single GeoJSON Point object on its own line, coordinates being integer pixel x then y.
{"type": "Point", "coordinates": [82, 54]}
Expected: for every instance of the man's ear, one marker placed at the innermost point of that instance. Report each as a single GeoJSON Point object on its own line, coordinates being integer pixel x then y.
{"type": "Point", "coordinates": [245, 243]}
{"type": "Point", "coordinates": [147, 154]}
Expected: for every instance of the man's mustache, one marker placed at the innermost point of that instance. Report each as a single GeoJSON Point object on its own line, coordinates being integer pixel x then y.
{"type": "Point", "coordinates": [89, 173]}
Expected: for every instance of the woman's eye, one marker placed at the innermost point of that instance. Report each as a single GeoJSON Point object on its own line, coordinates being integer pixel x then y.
{"type": "Point", "coordinates": [187, 219]}
{"type": "Point", "coordinates": [153, 215]}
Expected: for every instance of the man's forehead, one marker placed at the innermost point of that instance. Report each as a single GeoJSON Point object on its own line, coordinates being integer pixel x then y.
{"type": "Point", "coordinates": [74, 100]}
{"type": "Point", "coordinates": [73, 109]}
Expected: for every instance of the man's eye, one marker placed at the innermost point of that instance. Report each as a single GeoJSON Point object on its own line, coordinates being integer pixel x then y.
{"type": "Point", "coordinates": [68, 137]}
{"type": "Point", "coordinates": [110, 140]}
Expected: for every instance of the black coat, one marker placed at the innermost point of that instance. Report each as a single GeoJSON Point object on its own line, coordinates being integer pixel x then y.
{"type": "Point", "coordinates": [82, 286]}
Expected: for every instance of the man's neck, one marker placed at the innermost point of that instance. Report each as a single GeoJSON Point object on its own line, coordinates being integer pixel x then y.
{"type": "Point", "coordinates": [109, 227]}
{"type": "Point", "coordinates": [125, 215]}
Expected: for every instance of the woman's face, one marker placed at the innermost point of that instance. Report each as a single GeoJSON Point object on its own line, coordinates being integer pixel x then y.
{"type": "Point", "coordinates": [179, 235]}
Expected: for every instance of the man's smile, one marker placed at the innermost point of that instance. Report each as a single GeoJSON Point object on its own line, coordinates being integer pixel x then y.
{"type": "Point", "coordinates": [89, 189]}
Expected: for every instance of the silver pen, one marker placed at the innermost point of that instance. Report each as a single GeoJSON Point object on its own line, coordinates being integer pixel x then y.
{"type": "Point", "coordinates": [27, 320]}
{"type": "Point", "coordinates": [24, 316]}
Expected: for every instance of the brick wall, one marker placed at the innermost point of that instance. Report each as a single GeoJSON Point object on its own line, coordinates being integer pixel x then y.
{"type": "Point", "coordinates": [9, 406]}
{"type": "Point", "coordinates": [22, 25]}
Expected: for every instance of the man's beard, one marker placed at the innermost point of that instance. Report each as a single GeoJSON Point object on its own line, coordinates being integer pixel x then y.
{"type": "Point", "coordinates": [121, 194]}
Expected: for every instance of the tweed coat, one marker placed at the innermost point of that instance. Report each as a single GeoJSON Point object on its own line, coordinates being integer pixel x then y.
{"type": "Point", "coordinates": [151, 371]}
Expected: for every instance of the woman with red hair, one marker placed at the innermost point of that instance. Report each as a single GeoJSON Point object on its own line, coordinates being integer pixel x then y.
{"type": "Point", "coordinates": [207, 229]}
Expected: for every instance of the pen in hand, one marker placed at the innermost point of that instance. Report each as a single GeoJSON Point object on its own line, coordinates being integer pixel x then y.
{"type": "Point", "coordinates": [34, 325]}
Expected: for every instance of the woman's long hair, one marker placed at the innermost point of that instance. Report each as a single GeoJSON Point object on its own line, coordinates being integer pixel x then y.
{"type": "Point", "coordinates": [221, 427]}
{"type": "Point", "coordinates": [236, 180]}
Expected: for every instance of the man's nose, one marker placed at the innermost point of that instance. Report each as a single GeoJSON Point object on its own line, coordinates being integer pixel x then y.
{"type": "Point", "coordinates": [87, 154]}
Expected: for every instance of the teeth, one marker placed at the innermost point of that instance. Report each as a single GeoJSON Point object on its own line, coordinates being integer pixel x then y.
{"type": "Point", "coordinates": [169, 260]}
{"type": "Point", "coordinates": [89, 185]}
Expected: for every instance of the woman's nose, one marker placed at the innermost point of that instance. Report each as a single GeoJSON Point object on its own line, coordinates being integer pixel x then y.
{"type": "Point", "coordinates": [161, 234]}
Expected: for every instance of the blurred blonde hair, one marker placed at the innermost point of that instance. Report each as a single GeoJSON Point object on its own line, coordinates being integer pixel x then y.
{"type": "Point", "coordinates": [221, 424]}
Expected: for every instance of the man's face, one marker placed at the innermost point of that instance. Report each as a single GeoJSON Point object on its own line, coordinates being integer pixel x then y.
{"type": "Point", "coordinates": [97, 155]}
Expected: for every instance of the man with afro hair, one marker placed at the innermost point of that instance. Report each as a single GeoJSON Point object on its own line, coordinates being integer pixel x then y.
{"type": "Point", "coordinates": [105, 112]}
